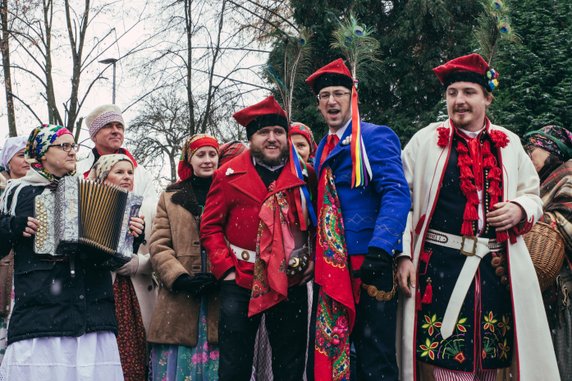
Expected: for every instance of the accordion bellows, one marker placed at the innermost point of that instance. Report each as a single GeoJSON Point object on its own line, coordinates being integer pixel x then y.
{"type": "Point", "coordinates": [83, 213]}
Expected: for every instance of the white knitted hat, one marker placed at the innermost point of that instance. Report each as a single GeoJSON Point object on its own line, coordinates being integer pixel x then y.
{"type": "Point", "coordinates": [102, 115]}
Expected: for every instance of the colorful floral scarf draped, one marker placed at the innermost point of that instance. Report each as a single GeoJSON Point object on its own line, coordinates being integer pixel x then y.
{"type": "Point", "coordinates": [274, 243]}
{"type": "Point", "coordinates": [336, 305]}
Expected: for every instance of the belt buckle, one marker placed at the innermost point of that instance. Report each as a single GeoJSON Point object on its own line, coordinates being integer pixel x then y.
{"type": "Point", "coordinates": [473, 251]}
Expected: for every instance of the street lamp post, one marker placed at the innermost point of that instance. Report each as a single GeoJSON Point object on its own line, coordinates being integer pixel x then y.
{"type": "Point", "coordinates": [111, 61]}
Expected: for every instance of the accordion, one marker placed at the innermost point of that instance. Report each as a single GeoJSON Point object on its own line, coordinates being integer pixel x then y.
{"type": "Point", "coordinates": [86, 216]}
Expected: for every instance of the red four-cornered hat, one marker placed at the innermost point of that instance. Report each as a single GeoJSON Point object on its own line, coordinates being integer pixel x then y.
{"type": "Point", "coordinates": [262, 114]}
{"type": "Point", "coordinates": [469, 68]}
{"type": "Point", "coordinates": [336, 73]}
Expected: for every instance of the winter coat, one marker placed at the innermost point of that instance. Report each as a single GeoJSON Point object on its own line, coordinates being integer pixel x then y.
{"type": "Point", "coordinates": [49, 301]}
{"type": "Point", "coordinates": [175, 250]}
{"type": "Point", "coordinates": [424, 163]}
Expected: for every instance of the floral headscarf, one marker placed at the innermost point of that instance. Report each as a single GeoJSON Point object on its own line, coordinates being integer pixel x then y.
{"type": "Point", "coordinates": [38, 143]}
{"type": "Point", "coordinates": [554, 139]}
{"type": "Point", "coordinates": [103, 165]}
{"type": "Point", "coordinates": [306, 132]}
{"type": "Point", "coordinates": [191, 146]}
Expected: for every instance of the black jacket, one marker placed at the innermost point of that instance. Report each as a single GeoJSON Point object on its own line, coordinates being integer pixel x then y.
{"type": "Point", "coordinates": [49, 300]}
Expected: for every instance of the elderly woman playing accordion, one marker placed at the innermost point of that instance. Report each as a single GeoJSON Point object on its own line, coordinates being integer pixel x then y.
{"type": "Point", "coordinates": [63, 324]}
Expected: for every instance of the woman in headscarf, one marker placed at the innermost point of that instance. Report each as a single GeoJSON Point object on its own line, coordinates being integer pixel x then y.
{"type": "Point", "coordinates": [184, 326]}
{"type": "Point", "coordinates": [15, 166]}
{"type": "Point", "coordinates": [63, 325]}
{"type": "Point", "coordinates": [303, 140]}
{"type": "Point", "coordinates": [550, 150]}
{"type": "Point", "coordinates": [133, 287]}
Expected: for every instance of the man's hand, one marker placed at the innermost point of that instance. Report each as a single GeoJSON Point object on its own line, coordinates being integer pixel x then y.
{"type": "Point", "coordinates": [505, 215]}
{"type": "Point", "coordinates": [406, 275]}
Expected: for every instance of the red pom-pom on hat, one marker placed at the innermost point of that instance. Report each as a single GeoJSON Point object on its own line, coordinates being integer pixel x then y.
{"type": "Point", "coordinates": [469, 68]}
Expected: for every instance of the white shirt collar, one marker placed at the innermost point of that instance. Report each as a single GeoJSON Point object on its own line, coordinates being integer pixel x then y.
{"type": "Point", "coordinates": [472, 134]}
{"type": "Point", "coordinates": [340, 132]}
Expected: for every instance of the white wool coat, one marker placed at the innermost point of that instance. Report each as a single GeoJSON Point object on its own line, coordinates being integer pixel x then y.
{"type": "Point", "coordinates": [424, 164]}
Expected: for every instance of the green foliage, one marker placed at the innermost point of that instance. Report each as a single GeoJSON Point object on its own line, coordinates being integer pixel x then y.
{"type": "Point", "coordinates": [536, 75]}
{"type": "Point", "coordinates": [417, 35]}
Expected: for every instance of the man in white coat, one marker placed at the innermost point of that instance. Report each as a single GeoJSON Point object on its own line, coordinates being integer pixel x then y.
{"type": "Point", "coordinates": [470, 304]}
{"type": "Point", "coordinates": [107, 130]}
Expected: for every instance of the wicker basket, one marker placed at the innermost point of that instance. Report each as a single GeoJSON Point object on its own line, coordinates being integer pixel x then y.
{"type": "Point", "coordinates": [546, 247]}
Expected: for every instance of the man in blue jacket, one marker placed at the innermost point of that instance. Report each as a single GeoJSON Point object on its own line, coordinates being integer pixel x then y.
{"type": "Point", "coordinates": [363, 204]}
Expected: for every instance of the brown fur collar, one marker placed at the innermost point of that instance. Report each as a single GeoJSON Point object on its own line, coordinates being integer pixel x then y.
{"type": "Point", "coordinates": [185, 197]}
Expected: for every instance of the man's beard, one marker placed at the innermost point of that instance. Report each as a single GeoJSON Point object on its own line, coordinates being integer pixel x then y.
{"type": "Point", "coordinates": [258, 154]}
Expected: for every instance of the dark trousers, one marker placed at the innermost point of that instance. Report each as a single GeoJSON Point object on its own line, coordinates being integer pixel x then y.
{"type": "Point", "coordinates": [286, 324]}
{"type": "Point", "coordinates": [373, 337]}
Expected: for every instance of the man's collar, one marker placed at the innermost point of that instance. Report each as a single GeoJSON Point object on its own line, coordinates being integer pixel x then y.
{"type": "Point", "coordinates": [340, 132]}
{"type": "Point", "coordinates": [272, 168]}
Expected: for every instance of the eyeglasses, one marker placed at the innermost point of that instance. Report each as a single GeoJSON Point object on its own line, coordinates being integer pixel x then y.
{"type": "Point", "coordinates": [324, 97]}
{"type": "Point", "coordinates": [66, 147]}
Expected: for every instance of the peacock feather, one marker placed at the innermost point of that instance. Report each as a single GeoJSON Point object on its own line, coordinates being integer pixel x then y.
{"type": "Point", "coordinates": [295, 58]}
{"type": "Point", "coordinates": [356, 43]}
{"type": "Point", "coordinates": [494, 26]}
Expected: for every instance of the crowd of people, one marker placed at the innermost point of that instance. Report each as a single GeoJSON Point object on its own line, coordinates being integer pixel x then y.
{"type": "Point", "coordinates": [283, 259]}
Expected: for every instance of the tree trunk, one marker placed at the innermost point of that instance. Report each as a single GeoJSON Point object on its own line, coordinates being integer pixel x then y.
{"type": "Point", "coordinates": [5, 47]}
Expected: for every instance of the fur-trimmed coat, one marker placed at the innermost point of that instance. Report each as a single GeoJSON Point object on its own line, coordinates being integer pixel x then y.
{"type": "Point", "coordinates": [175, 250]}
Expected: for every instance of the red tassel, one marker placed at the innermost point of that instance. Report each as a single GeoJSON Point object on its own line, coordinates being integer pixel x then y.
{"type": "Point", "coordinates": [502, 236]}
{"type": "Point", "coordinates": [495, 174]}
{"type": "Point", "coordinates": [466, 172]}
{"type": "Point", "coordinates": [467, 188]}
{"type": "Point", "coordinates": [462, 149]}
{"type": "Point", "coordinates": [494, 190]}
{"type": "Point", "coordinates": [428, 295]}
{"type": "Point", "coordinates": [425, 256]}
{"type": "Point", "coordinates": [467, 228]}
{"type": "Point", "coordinates": [418, 299]}
{"type": "Point", "coordinates": [470, 212]}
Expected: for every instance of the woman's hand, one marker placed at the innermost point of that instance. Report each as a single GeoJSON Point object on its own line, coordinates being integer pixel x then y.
{"type": "Point", "coordinates": [31, 227]}
{"type": "Point", "coordinates": [136, 226]}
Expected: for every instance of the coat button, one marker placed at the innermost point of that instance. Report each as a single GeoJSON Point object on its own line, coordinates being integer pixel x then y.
{"type": "Point", "coordinates": [245, 255]}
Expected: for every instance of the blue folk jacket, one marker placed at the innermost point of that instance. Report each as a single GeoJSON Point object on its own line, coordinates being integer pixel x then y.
{"type": "Point", "coordinates": [375, 215]}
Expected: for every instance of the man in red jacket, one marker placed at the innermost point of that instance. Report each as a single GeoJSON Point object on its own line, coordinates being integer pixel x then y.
{"type": "Point", "coordinates": [255, 232]}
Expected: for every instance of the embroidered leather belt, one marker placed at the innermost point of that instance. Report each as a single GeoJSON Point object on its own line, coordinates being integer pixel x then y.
{"type": "Point", "coordinates": [475, 249]}
{"type": "Point", "coordinates": [242, 254]}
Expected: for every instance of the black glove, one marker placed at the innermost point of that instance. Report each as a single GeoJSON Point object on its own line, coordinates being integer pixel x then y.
{"type": "Point", "coordinates": [17, 226]}
{"type": "Point", "coordinates": [196, 285]}
{"type": "Point", "coordinates": [377, 269]}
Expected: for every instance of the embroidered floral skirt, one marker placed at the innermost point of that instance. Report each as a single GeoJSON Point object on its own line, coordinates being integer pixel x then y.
{"type": "Point", "coordinates": [181, 363]}
{"type": "Point", "coordinates": [483, 335]}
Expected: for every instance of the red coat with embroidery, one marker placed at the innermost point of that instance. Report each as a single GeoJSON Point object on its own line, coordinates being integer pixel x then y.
{"type": "Point", "coordinates": [231, 213]}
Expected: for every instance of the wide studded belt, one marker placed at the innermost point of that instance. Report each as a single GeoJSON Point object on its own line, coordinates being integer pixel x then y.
{"type": "Point", "coordinates": [474, 248]}
{"type": "Point", "coordinates": [242, 254]}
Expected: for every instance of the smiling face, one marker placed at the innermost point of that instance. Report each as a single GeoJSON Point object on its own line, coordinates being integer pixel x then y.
{"type": "Point", "coordinates": [121, 174]}
{"type": "Point", "coordinates": [270, 145]}
{"type": "Point", "coordinates": [109, 138]}
{"type": "Point", "coordinates": [335, 106]}
{"type": "Point", "coordinates": [18, 166]}
{"type": "Point", "coordinates": [57, 161]}
{"type": "Point", "coordinates": [204, 162]}
{"type": "Point", "coordinates": [467, 104]}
